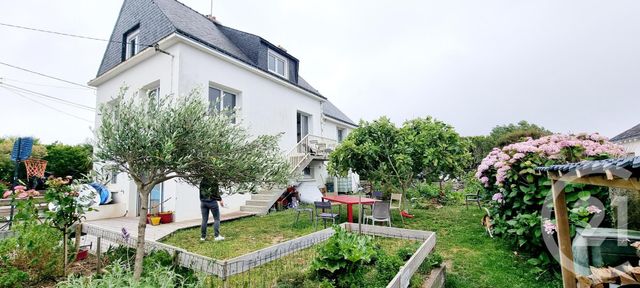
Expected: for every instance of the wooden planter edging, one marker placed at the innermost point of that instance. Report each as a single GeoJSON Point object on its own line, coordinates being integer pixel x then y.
{"type": "Point", "coordinates": [6, 234]}
{"type": "Point", "coordinates": [436, 278]}
{"type": "Point", "coordinates": [225, 268]}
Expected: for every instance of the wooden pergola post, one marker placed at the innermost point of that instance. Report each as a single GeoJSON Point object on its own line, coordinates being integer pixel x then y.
{"type": "Point", "coordinates": [564, 235]}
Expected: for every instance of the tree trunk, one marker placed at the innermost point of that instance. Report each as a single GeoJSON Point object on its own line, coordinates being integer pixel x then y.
{"type": "Point", "coordinates": [65, 248]}
{"type": "Point", "coordinates": [441, 188]}
{"type": "Point", "coordinates": [142, 225]}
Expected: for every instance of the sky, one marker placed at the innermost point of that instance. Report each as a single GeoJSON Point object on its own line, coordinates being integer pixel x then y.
{"type": "Point", "coordinates": [570, 66]}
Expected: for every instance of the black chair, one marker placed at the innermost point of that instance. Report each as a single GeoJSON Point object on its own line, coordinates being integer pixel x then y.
{"type": "Point", "coordinates": [472, 198]}
{"type": "Point", "coordinates": [322, 214]}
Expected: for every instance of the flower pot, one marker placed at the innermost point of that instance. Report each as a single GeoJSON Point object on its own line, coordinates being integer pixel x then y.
{"type": "Point", "coordinates": [155, 220]}
{"type": "Point", "coordinates": [166, 217]}
{"type": "Point", "coordinates": [82, 254]}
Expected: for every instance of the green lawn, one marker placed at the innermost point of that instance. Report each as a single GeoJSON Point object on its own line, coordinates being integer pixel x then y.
{"type": "Point", "coordinates": [245, 235]}
{"type": "Point", "coordinates": [476, 260]}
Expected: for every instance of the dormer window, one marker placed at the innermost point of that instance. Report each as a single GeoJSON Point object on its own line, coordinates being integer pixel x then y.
{"type": "Point", "coordinates": [132, 43]}
{"type": "Point", "coordinates": [277, 64]}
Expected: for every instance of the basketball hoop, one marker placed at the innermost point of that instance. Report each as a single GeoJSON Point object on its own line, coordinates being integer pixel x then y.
{"type": "Point", "coordinates": [35, 167]}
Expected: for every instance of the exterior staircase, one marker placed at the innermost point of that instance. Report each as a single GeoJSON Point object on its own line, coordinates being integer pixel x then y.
{"type": "Point", "coordinates": [310, 148]}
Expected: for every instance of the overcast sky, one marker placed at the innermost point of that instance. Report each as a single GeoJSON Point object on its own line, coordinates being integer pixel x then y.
{"type": "Point", "coordinates": [571, 66]}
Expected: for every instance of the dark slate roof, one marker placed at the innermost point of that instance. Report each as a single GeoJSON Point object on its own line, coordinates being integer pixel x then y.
{"type": "Point", "coordinates": [331, 111]}
{"type": "Point", "coordinates": [631, 164]}
{"type": "Point", "coordinates": [158, 19]}
{"type": "Point", "coordinates": [634, 132]}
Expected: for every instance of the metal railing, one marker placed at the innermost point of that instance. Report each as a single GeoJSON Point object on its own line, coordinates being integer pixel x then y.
{"type": "Point", "coordinates": [309, 147]}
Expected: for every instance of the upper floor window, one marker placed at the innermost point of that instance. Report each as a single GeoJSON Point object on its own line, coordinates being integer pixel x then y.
{"type": "Point", "coordinates": [340, 134]}
{"type": "Point", "coordinates": [222, 100]}
{"type": "Point", "coordinates": [132, 43]}
{"type": "Point", "coordinates": [277, 64]}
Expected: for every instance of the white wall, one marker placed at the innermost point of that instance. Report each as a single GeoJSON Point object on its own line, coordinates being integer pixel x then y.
{"type": "Point", "coordinates": [632, 147]}
{"type": "Point", "coordinates": [266, 106]}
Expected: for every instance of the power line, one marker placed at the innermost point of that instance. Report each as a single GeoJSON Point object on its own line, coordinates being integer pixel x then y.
{"type": "Point", "coordinates": [67, 34]}
{"type": "Point", "coordinates": [45, 75]}
{"type": "Point", "coordinates": [41, 84]}
{"type": "Point", "coordinates": [45, 105]}
{"type": "Point", "coordinates": [49, 96]}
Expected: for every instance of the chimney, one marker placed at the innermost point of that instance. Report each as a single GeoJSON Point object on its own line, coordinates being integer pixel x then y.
{"type": "Point", "coordinates": [213, 19]}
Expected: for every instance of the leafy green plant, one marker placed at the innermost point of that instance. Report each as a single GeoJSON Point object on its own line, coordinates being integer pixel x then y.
{"type": "Point", "coordinates": [518, 193]}
{"type": "Point", "coordinates": [342, 254]}
{"type": "Point", "coordinates": [31, 256]}
{"type": "Point", "coordinates": [69, 209]}
{"type": "Point", "coordinates": [118, 275]}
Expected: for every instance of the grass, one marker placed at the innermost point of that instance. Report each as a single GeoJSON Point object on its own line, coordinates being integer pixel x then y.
{"type": "Point", "coordinates": [246, 234]}
{"type": "Point", "coordinates": [476, 260]}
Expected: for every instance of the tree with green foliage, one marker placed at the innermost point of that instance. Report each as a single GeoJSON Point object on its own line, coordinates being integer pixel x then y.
{"type": "Point", "coordinates": [383, 153]}
{"type": "Point", "coordinates": [155, 140]}
{"type": "Point", "coordinates": [437, 148]}
{"type": "Point", "coordinates": [69, 160]}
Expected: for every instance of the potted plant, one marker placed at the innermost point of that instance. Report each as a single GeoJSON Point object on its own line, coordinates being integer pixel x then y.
{"type": "Point", "coordinates": [154, 219]}
{"type": "Point", "coordinates": [166, 217]}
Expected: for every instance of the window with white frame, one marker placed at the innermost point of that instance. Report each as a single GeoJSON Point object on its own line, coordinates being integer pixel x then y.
{"type": "Point", "coordinates": [277, 64]}
{"type": "Point", "coordinates": [222, 100]}
{"type": "Point", "coordinates": [132, 43]}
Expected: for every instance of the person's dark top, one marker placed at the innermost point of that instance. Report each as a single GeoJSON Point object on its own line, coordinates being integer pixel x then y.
{"type": "Point", "coordinates": [209, 190]}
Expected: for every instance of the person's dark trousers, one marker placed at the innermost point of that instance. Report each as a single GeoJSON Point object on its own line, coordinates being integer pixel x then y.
{"type": "Point", "coordinates": [205, 207]}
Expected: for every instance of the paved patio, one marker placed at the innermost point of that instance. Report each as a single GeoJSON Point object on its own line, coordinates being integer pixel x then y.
{"type": "Point", "coordinates": [156, 233]}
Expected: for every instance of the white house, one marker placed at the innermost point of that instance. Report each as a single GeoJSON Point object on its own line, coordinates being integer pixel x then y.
{"type": "Point", "coordinates": [164, 47]}
{"type": "Point", "coordinates": [630, 140]}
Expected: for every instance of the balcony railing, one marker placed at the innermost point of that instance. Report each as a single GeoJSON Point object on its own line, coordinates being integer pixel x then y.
{"type": "Point", "coordinates": [310, 147]}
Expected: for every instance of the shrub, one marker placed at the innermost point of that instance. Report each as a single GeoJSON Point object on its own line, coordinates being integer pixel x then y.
{"type": "Point", "coordinates": [30, 257]}
{"type": "Point", "coordinates": [118, 275]}
{"type": "Point", "coordinates": [518, 193]}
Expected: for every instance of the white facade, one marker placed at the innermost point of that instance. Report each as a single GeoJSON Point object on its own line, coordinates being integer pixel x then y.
{"type": "Point", "coordinates": [631, 146]}
{"type": "Point", "coordinates": [266, 103]}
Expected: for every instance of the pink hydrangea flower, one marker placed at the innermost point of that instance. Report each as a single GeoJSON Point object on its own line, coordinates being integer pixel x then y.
{"type": "Point", "coordinates": [19, 187]}
{"type": "Point", "coordinates": [7, 193]}
{"type": "Point", "coordinates": [593, 209]}
{"type": "Point", "coordinates": [497, 197]}
{"type": "Point", "coordinates": [549, 227]}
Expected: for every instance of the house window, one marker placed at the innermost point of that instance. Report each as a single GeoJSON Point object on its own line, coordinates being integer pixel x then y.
{"type": "Point", "coordinates": [340, 134]}
{"type": "Point", "coordinates": [277, 64]}
{"type": "Point", "coordinates": [132, 43]}
{"type": "Point", "coordinates": [221, 100]}
{"type": "Point", "coordinates": [154, 93]}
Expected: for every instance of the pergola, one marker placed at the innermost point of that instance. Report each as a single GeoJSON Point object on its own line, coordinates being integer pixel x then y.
{"type": "Point", "coordinates": [619, 173]}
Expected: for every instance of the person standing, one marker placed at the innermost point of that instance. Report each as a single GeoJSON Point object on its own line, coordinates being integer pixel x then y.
{"type": "Point", "coordinates": [209, 198]}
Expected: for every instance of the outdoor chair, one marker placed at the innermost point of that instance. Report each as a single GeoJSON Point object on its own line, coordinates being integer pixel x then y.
{"type": "Point", "coordinates": [375, 195]}
{"type": "Point", "coordinates": [381, 212]}
{"type": "Point", "coordinates": [472, 198]}
{"type": "Point", "coordinates": [299, 209]}
{"type": "Point", "coordinates": [335, 193]}
{"type": "Point", "coordinates": [397, 198]}
{"type": "Point", "coordinates": [320, 211]}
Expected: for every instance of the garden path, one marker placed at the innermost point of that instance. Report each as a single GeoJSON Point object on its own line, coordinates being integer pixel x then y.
{"type": "Point", "coordinates": [156, 233]}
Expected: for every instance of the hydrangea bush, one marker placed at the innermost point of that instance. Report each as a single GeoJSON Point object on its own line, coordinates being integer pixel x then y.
{"type": "Point", "coordinates": [518, 194]}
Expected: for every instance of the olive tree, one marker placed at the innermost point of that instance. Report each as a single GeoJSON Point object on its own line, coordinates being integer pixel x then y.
{"type": "Point", "coordinates": [155, 140]}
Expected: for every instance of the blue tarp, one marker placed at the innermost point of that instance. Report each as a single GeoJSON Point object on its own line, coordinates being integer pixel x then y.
{"type": "Point", "coordinates": [105, 194]}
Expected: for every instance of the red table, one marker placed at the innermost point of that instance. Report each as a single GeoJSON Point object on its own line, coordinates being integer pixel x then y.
{"type": "Point", "coordinates": [349, 200]}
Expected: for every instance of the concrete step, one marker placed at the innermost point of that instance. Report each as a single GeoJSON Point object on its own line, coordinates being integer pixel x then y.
{"type": "Point", "coordinates": [254, 209]}
{"type": "Point", "coordinates": [263, 197]}
{"type": "Point", "coordinates": [261, 203]}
